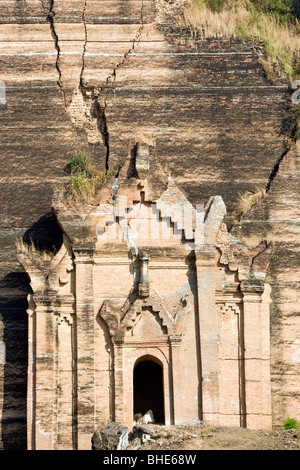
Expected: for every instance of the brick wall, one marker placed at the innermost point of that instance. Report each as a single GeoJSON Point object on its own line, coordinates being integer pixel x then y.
{"type": "Point", "coordinates": [218, 124]}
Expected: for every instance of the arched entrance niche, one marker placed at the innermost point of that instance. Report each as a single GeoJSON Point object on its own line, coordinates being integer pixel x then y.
{"type": "Point", "coordinates": [148, 388]}
{"type": "Point", "coordinates": [132, 357]}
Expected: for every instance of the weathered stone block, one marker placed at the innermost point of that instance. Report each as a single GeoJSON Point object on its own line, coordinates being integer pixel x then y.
{"type": "Point", "coordinates": [110, 436]}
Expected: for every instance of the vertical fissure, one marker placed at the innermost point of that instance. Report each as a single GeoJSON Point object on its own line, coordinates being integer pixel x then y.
{"type": "Point", "coordinates": [275, 170]}
{"type": "Point", "coordinates": [99, 113]}
{"type": "Point", "coordinates": [50, 19]}
{"type": "Point", "coordinates": [113, 75]}
{"type": "Point", "coordinates": [266, 246]}
{"type": "Point", "coordinates": [109, 86]}
{"type": "Point", "coordinates": [95, 100]}
{"type": "Point", "coordinates": [84, 45]}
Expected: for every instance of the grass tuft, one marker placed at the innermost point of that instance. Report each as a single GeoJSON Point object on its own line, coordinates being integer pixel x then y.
{"type": "Point", "coordinates": [248, 200]}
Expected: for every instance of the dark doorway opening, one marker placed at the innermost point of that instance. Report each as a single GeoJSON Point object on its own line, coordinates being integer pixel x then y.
{"type": "Point", "coordinates": [148, 390]}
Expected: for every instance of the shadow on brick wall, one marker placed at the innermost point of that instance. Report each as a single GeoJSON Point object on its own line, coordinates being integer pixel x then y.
{"type": "Point", "coordinates": [14, 360]}
{"type": "Point", "coordinates": [45, 234]}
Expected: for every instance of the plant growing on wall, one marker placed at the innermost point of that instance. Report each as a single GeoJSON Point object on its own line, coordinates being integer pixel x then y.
{"type": "Point", "coordinates": [290, 423]}
{"type": "Point", "coordinates": [274, 22]}
{"type": "Point", "coordinates": [78, 165]}
{"type": "Point", "coordinates": [84, 180]}
{"type": "Point", "coordinates": [46, 255]}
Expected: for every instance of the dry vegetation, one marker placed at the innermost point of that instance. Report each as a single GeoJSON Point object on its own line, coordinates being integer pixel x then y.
{"type": "Point", "coordinates": [242, 19]}
{"type": "Point", "coordinates": [84, 180]}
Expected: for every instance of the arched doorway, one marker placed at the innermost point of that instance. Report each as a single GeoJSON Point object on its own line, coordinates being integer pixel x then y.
{"type": "Point", "coordinates": [148, 390]}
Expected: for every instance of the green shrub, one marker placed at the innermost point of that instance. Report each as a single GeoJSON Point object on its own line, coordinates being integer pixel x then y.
{"type": "Point", "coordinates": [290, 423]}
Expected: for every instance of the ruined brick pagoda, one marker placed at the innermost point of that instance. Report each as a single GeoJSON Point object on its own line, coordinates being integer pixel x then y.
{"type": "Point", "coordinates": [145, 288]}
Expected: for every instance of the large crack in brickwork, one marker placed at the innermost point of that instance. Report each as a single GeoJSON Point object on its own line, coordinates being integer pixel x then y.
{"type": "Point", "coordinates": [266, 246]}
{"type": "Point", "coordinates": [292, 140]}
{"type": "Point", "coordinates": [93, 101]}
{"type": "Point", "coordinates": [96, 110]}
{"type": "Point", "coordinates": [87, 109]}
{"type": "Point", "coordinates": [109, 89]}
{"type": "Point", "coordinates": [266, 188]}
{"type": "Point", "coordinates": [50, 19]}
{"type": "Point", "coordinates": [111, 80]}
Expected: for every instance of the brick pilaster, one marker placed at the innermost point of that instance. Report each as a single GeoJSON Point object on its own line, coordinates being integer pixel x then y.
{"type": "Point", "coordinates": [85, 325]}
{"type": "Point", "coordinates": [205, 265]}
